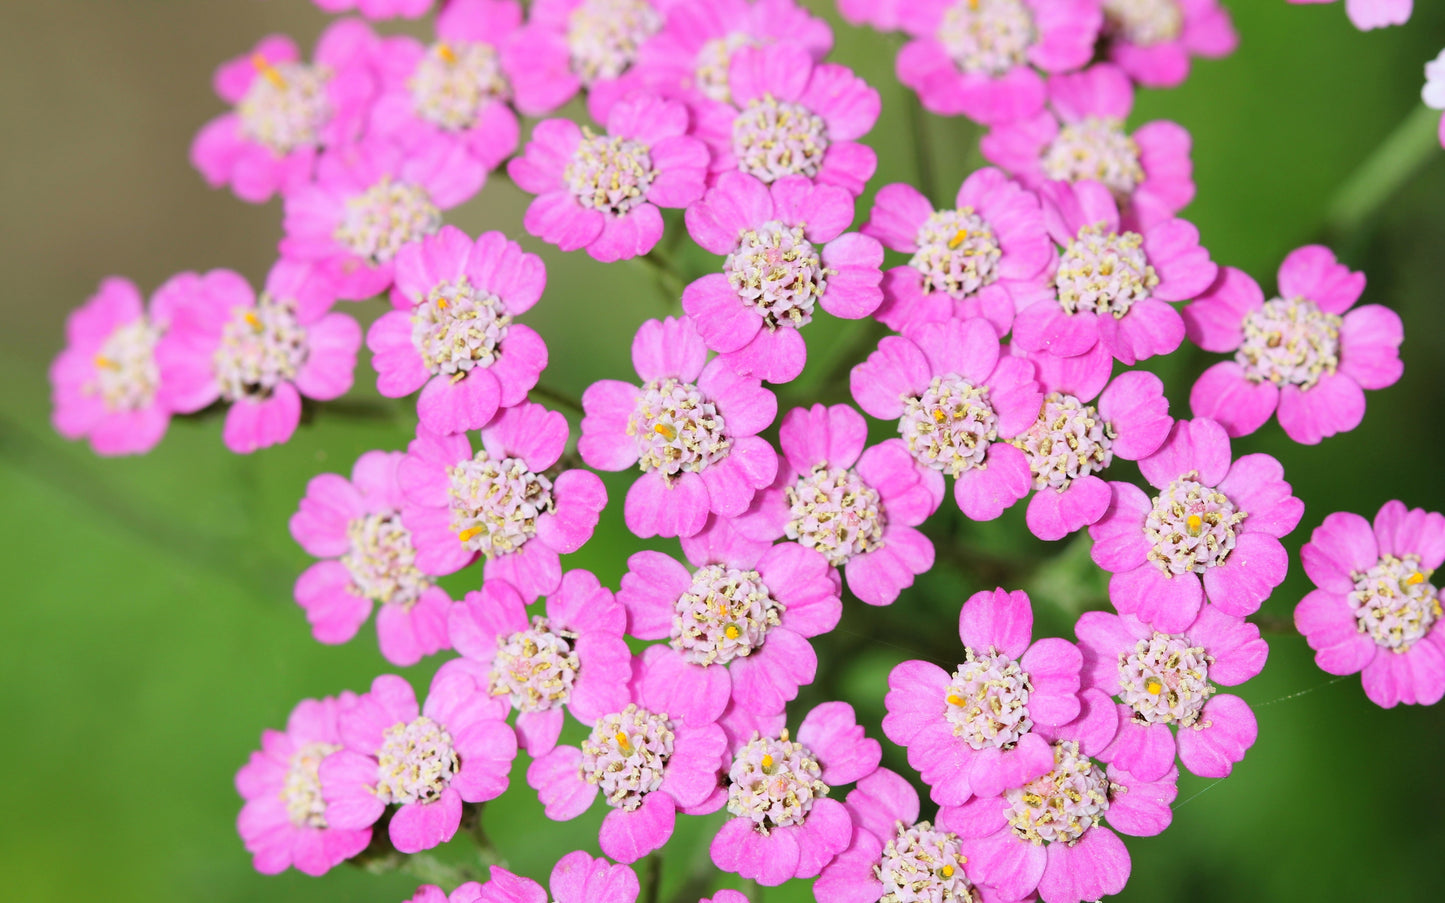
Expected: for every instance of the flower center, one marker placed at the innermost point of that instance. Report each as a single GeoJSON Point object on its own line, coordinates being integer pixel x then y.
{"type": "Point", "coordinates": [416, 762]}
{"type": "Point", "coordinates": [261, 347]}
{"type": "Point", "coordinates": [1165, 680]}
{"type": "Point", "coordinates": [1144, 22]}
{"type": "Point", "coordinates": [609, 174]}
{"type": "Point", "coordinates": [1395, 602]}
{"type": "Point", "coordinates": [458, 327]}
{"type": "Point", "coordinates": [495, 503]}
{"type": "Point", "coordinates": [835, 512]}
{"type": "Point", "coordinates": [381, 560]}
{"type": "Point", "coordinates": [1097, 149]}
{"type": "Point", "coordinates": [957, 252]}
{"type": "Point", "coordinates": [626, 754]}
{"type": "Point", "coordinates": [126, 375]}
{"type": "Point", "coordinates": [286, 105]}
{"type": "Point", "coordinates": [775, 138]}
{"type": "Point", "coordinates": [713, 61]}
{"type": "Point", "coordinates": [1289, 342]}
{"type": "Point", "coordinates": [1104, 272]}
{"type": "Point", "coordinates": [724, 615]}
{"type": "Point", "coordinates": [453, 83]}
{"type": "Point", "coordinates": [774, 783]}
{"type": "Point", "coordinates": [987, 36]}
{"type": "Point", "coordinates": [386, 216]}
{"type": "Point", "coordinates": [1068, 441]}
{"type": "Point", "coordinates": [923, 865]}
{"type": "Point", "coordinates": [535, 667]}
{"type": "Point", "coordinates": [302, 790]}
{"type": "Point", "coordinates": [778, 273]}
{"type": "Point", "coordinates": [988, 701]}
{"type": "Point", "coordinates": [677, 428]}
{"type": "Point", "coordinates": [1063, 804]}
{"type": "Point", "coordinates": [1191, 527]}
{"type": "Point", "coordinates": [603, 36]}
{"type": "Point", "coordinates": [949, 427]}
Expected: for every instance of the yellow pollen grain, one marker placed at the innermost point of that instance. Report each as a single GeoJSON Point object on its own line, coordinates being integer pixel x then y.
{"type": "Point", "coordinates": [253, 320]}
{"type": "Point", "coordinates": [445, 51]}
{"type": "Point", "coordinates": [939, 416]}
{"type": "Point", "coordinates": [1195, 523]}
{"type": "Point", "coordinates": [441, 304]}
{"type": "Point", "coordinates": [106, 363]}
{"type": "Point", "coordinates": [956, 700]}
{"type": "Point", "coordinates": [622, 741]}
{"type": "Point", "coordinates": [732, 632]}
{"type": "Point", "coordinates": [268, 71]}
{"type": "Point", "coordinates": [1411, 580]}
{"type": "Point", "coordinates": [767, 761]}
{"type": "Point", "coordinates": [958, 238]}
{"type": "Point", "coordinates": [946, 871]}
{"type": "Point", "coordinates": [665, 431]}
{"type": "Point", "coordinates": [1153, 686]}
{"type": "Point", "coordinates": [469, 532]}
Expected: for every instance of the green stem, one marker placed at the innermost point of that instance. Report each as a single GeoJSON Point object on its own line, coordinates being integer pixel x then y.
{"type": "Point", "coordinates": [654, 877]}
{"type": "Point", "coordinates": [487, 852]}
{"type": "Point", "coordinates": [922, 148]}
{"type": "Point", "coordinates": [669, 281]}
{"type": "Point", "coordinates": [425, 868]}
{"type": "Point", "coordinates": [1412, 144]}
{"type": "Point", "coordinates": [561, 399]}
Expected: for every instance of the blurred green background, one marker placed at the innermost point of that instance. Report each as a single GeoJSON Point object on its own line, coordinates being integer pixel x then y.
{"type": "Point", "coordinates": [150, 633]}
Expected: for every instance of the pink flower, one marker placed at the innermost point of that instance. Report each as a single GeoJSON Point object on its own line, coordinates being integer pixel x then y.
{"type": "Point", "coordinates": [1049, 836]}
{"type": "Point", "coordinates": [601, 192]}
{"type": "Point", "coordinates": [1082, 136]}
{"type": "Point", "coordinates": [1434, 91]}
{"type": "Point", "coordinates": [577, 878]}
{"type": "Point", "coordinates": [456, 749]}
{"type": "Point", "coordinates": [1112, 284]}
{"type": "Point", "coordinates": [858, 508]}
{"type": "Point", "coordinates": [573, 657]}
{"type": "Point", "coordinates": [957, 401]}
{"type": "Point", "coordinates": [1368, 14]}
{"type": "Point", "coordinates": [1304, 353]}
{"type": "Point", "coordinates": [736, 625]}
{"type": "Point", "coordinates": [1163, 679]}
{"type": "Point", "coordinates": [378, 9]}
{"type": "Point", "coordinates": [260, 355]}
{"type": "Point", "coordinates": [973, 733]}
{"type": "Point", "coordinates": [692, 426]}
{"type": "Point", "coordinates": [976, 58]}
{"type": "Point", "coordinates": [1375, 609]}
{"type": "Point", "coordinates": [285, 111]}
{"type": "Point", "coordinates": [284, 821]}
{"type": "Point", "coordinates": [783, 825]}
{"type": "Point", "coordinates": [355, 525]}
{"type": "Point", "coordinates": [452, 96]}
{"type": "Point", "coordinates": [647, 766]}
{"type": "Point", "coordinates": [985, 257]}
{"type": "Point", "coordinates": [792, 116]}
{"type": "Point", "coordinates": [774, 275]}
{"type": "Point", "coordinates": [452, 330]}
{"type": "Point", "coordinates": [1212, 532]}
{"type": "Point", "coordinates": [880, 15]}
{"type": "Point", "coordinates": [368, 201]}
{"type": "Point", "coordinates": [725, 896]}
{"type": "Point", "coordinates": [1152, 40]}
{"type": "Point", "coordinates": [1073, 440]}
{"type": "Point", "coordinates": [106, 384]}
{"type": "Point", "coordinates": [505, 502]}
{"type": "Point", "coordinates": [471, 892]}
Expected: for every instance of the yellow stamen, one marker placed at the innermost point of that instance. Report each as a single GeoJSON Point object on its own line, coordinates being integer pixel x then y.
{"type": "Point", "coordinates": [767, 762]}
{"type": "Point", "coordinates": [106, 363]}
{"type": "Point", "coordinates": [1411, 580]}
{"type": "Point", "coordinates": [732, 632]}
{"type": "Point", "coordinates": [268, 71]}
{"type": "Point", "coordinates": [939, 416]}
{"type": "Point", "coordinates": [946, 871]}
{"type": "Point", "coordinates": [622, 743]}
{"type": "Point", "coordinates": [441, 304]}
{"type": "Point", "coordinates": [956, 700]}
{"type": "Point", "coordinates": [958, 238]}
{"type": "Point", "coordinates": [445, 51]}
{"type": "Point", "coordinates": [1195, 523]}
{"type": "Point", "coordinates": [1153, 686]}
{"type": "Point", "coordinates": [253, 320]}
{"type": "Point", "coordinates": [469, 532]}
{"type": "Point", "coordinates": [665, 431]}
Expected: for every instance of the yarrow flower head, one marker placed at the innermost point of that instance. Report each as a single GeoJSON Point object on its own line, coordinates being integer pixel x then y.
{"type": "Point", "coordinates": [1368, 14]}
{"type": "Point", "coordinates": [973, 732]}
{"type": "Point", "coordinates": [451, 332]}
{"type": "Point", "coordinates": [786, 256]}
{"type": "Point", "coordinates": [284, 821]}
{"type": "Point", "coordinates": [1211, 533]}
{"type": "Point", "coordinates": [379, 9]}
{"type": "Point", "coordinates": [1153, 40]}
{"type": "Point", "coordinates": [1376, 609]}
{"type": "Point", "coordinates": [426, 762]}
{"type": "Point", "coordinates": [1307, 354]}
{"type": "Point", "coordinates": [577, 878]}
{"type": "Point", "coordinates": [691, 426]}
{"type": "Point", "coordinates": [260, 355]}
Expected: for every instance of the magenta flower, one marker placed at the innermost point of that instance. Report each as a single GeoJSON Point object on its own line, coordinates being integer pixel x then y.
{"type": "Point", "coordinates": [1434, 91]}
{"type": "Point", "coordinates": [1082, 137]}
{"type": "Point", "coordinates": [601, 192]}
{"type": "Point", "coordinates": [259, 355]}
{"type": "Point", "coordinates": [573, 657]}
{"type": "Point", "coordinates": [455, 749]}
{"type": "Point", "coordinates": [737, 625]}
{"type": "Point", "coordinates": [976, 57]}
{"type": "Point", "coordinates": [957, 401]}
{"type": "Point", "coordinates": [471, 892]}
{"type": "Point", "coordinates": [1304, 353]}
{"type": "Point", "coordinates": [452, 331]}
{"type": "Point", "coordinates": [1049, 836]}
{"type": "Point", "coordinates": [858, 508]}
{"type": "Point", "coordinates": [1368, 14]}
{"type": "Point", "coordinates": [647, 766]}
{"type": "Point", "coordinates": [693, 427]}
{"type": "Point", "coordinates": [774, 275]}
{"type": "Point", "coordinates": [105, 385]}
{"type": "Point", "coordinates": [284, 821]}
{"type": "Point", "coordinates": [577, 878]}
{"type": "Point", "coordinates": [791, 116]}
{"type": "Point", "coordinates": [1073, 439]}
{"type": "Point", "coordinates": [880, 15]}
{"type": "Point", "coordinates": [505, 502]}
{"type": "Point", "coordinates": [379, 9]}
{"type": "Point", "coordinates": [985, 257]}
{"type": "Point", "coordinates": [285, 111]}
{"type": "Point", "coordinates": [972, 733]}
{"type": "Point", "coordinates": [1213, 531]}
{"type": "Point", "coordinates": [1112, 284]}
{"type": "Point", "coordinates": [355, 525]}
{"type": "Point", "coordinates": [1375, 609]}
{"type": "Point", "coordinates": [1162, 679]}
{"type": "Point", "coordinates": [725, 896]}
{"type": "Point", "coordinates": [1152, 40]}
{"type": "Point", "coordinates": [783, 825]}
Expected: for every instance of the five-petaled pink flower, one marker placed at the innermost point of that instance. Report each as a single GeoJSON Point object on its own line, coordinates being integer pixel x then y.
{"type": "Point", "coordinates": [1368, 14]}
{"type": "Point", "coordinates": [577, 878]}
{"type": "Point", "coordinates": [1152, 40]}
